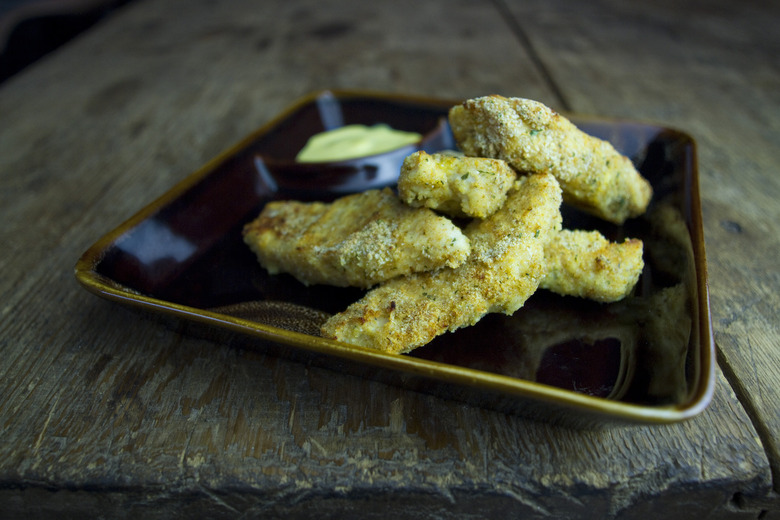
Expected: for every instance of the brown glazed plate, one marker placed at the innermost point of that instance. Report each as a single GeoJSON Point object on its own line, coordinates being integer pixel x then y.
{"type": "Point", "coordinates": [647, 359]}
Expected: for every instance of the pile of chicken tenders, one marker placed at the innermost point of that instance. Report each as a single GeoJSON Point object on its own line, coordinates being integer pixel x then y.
{"type": "Point", "coordinates": [469, 232]}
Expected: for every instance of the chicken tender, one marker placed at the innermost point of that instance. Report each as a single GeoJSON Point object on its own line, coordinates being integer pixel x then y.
{"type": "Point", "coordinates": [457, 186]}
{"type": "Point", "coordinates": [587, 265]}
{"type": "Point", "coordinates": [533, 138]}
{"type": "Point", "coordinates": [505, 267]}
{"type": "Point", "coordinates": [358, 240]}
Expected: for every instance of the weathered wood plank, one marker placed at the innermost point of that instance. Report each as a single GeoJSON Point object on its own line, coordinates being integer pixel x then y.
{"type": "Point", "coordinates": [184, 417]}
{"type": "Point", "coordinates": [107, 410]}
{"type": "Point", "coordinates": [708, 68]}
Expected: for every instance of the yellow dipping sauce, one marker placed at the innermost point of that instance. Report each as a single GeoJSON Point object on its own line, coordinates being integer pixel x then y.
{"type": "Point", "coordinates": [351, 141]}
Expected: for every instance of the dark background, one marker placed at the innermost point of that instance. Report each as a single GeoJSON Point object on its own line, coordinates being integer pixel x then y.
{"type": "Point", "coordinates": [31, 29]}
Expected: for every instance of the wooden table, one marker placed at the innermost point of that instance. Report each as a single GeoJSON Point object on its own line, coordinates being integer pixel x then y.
{"type": "Point", "coordinates": [108, 412]}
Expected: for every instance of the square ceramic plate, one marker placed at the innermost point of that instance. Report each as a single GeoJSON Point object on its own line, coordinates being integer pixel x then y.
{"type": "Point", "coordinates": [647, 359]}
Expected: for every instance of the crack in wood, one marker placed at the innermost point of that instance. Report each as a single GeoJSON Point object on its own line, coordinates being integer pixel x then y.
{"type": "Point", "coordinates": [536, 59]}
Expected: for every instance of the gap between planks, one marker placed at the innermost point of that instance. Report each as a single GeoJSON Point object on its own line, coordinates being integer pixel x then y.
{"type": "Point", "coordinates": [528, 46]}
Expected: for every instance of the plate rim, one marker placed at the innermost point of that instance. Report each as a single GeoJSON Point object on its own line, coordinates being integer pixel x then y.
{"type": "Point", "coordinates": [698, 400]}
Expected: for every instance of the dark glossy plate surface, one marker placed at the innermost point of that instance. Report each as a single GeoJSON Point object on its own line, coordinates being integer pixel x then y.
{"type": "Point", "coordinates": [647, 359]}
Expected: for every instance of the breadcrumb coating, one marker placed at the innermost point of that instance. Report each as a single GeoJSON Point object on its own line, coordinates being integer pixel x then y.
{"type": "Point", "coordinates": [457, 186]}
{"type": "Point", "coordinates": [533, 138]}
{"type": "Point", "coordinates": [587, 265]}
{"type": "Point", "coordinates": [358, 240]}
{"type": "Point", "coordinates": [504, 269]}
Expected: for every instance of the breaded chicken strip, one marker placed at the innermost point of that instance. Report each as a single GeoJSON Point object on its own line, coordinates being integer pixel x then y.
{"type": "Point", "coordinates": [358, 240]}
{"type": "Point", "coordinates": [504, 269]}
{"type": "Point", "coordinates": [455, 185]}
{"type": "Point", "coordinates": [533, 138]}
{"type": "Point", "coordinates": [586, 264]}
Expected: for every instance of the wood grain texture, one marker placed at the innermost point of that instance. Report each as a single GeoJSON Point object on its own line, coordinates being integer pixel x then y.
{"type": "Point", "coordinates": [179, 420]}
{"type": "Point", "coordinates": [709, 70]}
{"type": "Point", "coordinates": [105, 411]}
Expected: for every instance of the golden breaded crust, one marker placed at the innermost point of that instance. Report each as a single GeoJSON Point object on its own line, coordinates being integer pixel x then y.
{"type": "Point", "coordinates": [503, 270]}
{"type": "Point", "coordinates": [587, 265]}
{"type": "Point", "coordinates": [533, 138]}
{"type": "Point", "coordinates": [458, 186]}
{"type": "Point", "coordinates": [358, 240]}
